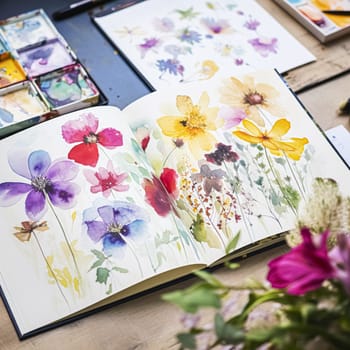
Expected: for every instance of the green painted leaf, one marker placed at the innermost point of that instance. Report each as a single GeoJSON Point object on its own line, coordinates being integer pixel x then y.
{"type": "Point", "coordinates": [109, 291]}
{"type": "Point", "coordinates": [135, 177]}
{"type": "Point", "coordinates": [120, 269]}
{"type": "Point", "coordinates": [198, 229]}
{"type": "Point", "coordinates": [102, 275]}
{"type": "Point", "coordinates": [144, 172]}
{"type": "Point", "coordinates": [97, 263]}
{"type": "Point", "coordinates": [99, 255]}
{"type": "Point", "coordinates": [233, 243]}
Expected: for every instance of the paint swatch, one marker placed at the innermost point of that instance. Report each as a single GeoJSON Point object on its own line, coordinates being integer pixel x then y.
{"type": "Point", "coordinates": [45, 57]}
{"type": "Point", "coordinates": [67, 86]}
{"type": "Point", "coordinates": [40, 75]}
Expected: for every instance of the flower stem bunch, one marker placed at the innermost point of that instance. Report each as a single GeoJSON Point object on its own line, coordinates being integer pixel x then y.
{"type": "Point", "coordinates": [306, 302]}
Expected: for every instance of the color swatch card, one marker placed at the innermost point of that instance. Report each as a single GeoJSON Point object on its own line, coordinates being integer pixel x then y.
{"type": "Point", "coordinates": [40, 76]}
{"type": "Point", "coordinates": [189, 40]}
{"type": "Point", "coordinates": [323, 26]}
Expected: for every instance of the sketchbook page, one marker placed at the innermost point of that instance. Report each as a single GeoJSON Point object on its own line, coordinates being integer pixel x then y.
{"type": "Point", "coordinates": [185, 41]}
{"type": "Point", "coordinates": [77, 219]}
{"type": "Point", "coordinates": [238, 154]}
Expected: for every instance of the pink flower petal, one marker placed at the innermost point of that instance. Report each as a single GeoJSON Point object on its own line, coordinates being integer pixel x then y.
{"type": "Point", "coordinates": [110, 138]}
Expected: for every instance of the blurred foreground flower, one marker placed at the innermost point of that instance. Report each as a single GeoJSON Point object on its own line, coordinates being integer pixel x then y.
{"type": "Point", "coordinates": [305, 302]}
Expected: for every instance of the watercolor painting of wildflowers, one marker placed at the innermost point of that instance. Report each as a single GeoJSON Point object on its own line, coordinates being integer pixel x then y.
{"type": "Point", "coordinates": [116, 198]}
{"type": "Point", "coordinates": [190, 41]}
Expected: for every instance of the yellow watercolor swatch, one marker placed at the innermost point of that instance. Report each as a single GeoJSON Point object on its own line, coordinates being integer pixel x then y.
{"type": "Point", "coordinates": [10, 71]}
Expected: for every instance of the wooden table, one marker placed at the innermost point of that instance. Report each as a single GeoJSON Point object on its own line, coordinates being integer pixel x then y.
{"type": "Point", "coordinates": [150, 323]}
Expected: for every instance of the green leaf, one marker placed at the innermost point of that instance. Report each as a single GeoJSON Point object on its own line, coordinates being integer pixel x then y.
{"type": "Point", "coordinates": [198, 229]}
{"type": "Point", "coordinates": [232, 266]}
{"type": "Point", "coordinates": [233, 243]}
{"type": "Point", "coordinates": [193, 298]}
{"type": "Point", "coordinates": [135, 177]}
{"type": "Point", "coordinates": [109, 291]}
{"type": "Point", "coordinates": [120, 269]}
{"type": "Point", "coordinates": [97, 263]}
{"type": "Point", "coordinates": [102, 275]}
{"type": "Point", "coordinates": [99, 255]}
{"type": "Point", "coordinates": [144, 172]}
{"type": "Point", "coordinates": [187, 340]}
{"type": "Point", "coordinates": [227, 333]}
{"type": "Point", "coordinates": [209, 278]}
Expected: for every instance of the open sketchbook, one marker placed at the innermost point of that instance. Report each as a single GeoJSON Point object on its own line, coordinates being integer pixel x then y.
{"type": "Point", "coordinates": [101, 204]}
{"type": "Point", "coordinates": [189, 40]}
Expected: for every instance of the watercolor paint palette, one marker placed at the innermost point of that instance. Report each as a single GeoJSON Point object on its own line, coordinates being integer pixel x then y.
{"type": "Point", "coordinates": [40, 75]}
{"type": "Point", "coordinates": [325, 27]}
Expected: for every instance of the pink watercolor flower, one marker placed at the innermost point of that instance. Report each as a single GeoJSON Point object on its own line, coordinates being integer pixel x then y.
{"type": "Point", "coordinates": [84, 131]}
{"type": "Point", "coordinates": [106, 180]}
{"type": "Point", "coordinates": [232, 116]}
{"type": "Point", "coordinates": [340, 257]}
{"type": "Point", "coordinates": [304, 268]}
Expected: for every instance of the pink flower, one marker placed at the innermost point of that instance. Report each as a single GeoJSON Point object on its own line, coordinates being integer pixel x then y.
{"type": "Point", "coordinates": [303, 268]}
{"type": "Point", "coordinates": [105, 180]}
{"type": "Point", "coordinates": [232, 116]}
{"type": "Point", "coordinates": [84, 130]}
{"type": "Point", "coordinates": [340, 257]}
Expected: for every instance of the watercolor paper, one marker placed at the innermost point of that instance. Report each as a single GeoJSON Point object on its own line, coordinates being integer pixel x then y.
{"type": "Point", "coordinates": [185, 41]}
{"type": "Point", "coordinates": [45, 58]}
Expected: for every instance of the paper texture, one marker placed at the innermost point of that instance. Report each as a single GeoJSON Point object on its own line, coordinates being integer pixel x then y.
{"type": "Point", "coordinates": [186, 41]}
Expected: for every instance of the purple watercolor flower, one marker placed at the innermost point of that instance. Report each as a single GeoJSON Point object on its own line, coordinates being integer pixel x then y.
{"type": "Point", "coordinates": [164, 24]}
{"type": "Point", "coordinates": [264, 46]}
{"type": "Point", "coordinates": [172, 66]}
{"type": "Point", "coordinates": [148, 44]}
{"type": "Point", "coordinates": [114, 224]}
{"type": "Point", "coordinates": [190, 36]}
{"type": "Point", "coordinates": [251, 24]}
{"type": "Point", "coordinates": [212, 179]}
{"type": "Point", "coordinates": [223, 153]}
{"type": "Point", "coordinates": [239, 61]}
{"type": "Point", "coordinates": [215, 26]}
{"type": "Point", "coordinates": [47, 181]}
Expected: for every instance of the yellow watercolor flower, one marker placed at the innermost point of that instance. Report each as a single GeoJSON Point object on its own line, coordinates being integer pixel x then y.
{"type": "Point", "coordinates": [251, 97]}
{"type": "Point", "coordinates": [209, 69]}
{"type": "Point", "coordinates": [195, 124]}
{"type": "Point", "coordinates": [272, 140]}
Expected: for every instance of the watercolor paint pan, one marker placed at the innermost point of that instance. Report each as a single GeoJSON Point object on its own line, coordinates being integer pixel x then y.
{"type": "Point", "coordinates": [45, 57]}
{"type": "Point", "coordinates": [35, 56]}
{"type": "Point", "coordinates": [28, 29]}
{"type": "Point", "coordinates": [3, 46]}
{"type": "Point", "coordinates": [11, 70]}
{"type": "Point", "coordinates": [68, 89]}
{"type": "Point", "coordinates": [21, 106]}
